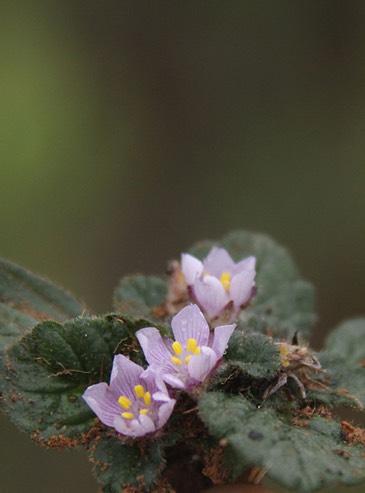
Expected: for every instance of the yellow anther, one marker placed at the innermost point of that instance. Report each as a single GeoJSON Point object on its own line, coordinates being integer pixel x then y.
{"type": "Point", "coordinates": [147, 398]}
{"type": "Point", "coordinates": [226, 280]}
{"type": "Point", "coordinates": [191, 345]}
{"type": "Point", "coordinates": [124, 402]}
{"type": "Point", "coordinates": [143, 412]}
{"type": "Point", "coordinates": [284, 353]}
{"type": "Point", "coordinates": [177, 348]}
{"type": "Point", "coordinates": [197, 350]}
{"type": "Point", "coordinates": [188, 358]}
{"type": "Point", "coordinates": [176, 361]}
{"type": "Point", "coordinates": [139, 390]}
{"type": "Point", "coordinates": [127, 415]}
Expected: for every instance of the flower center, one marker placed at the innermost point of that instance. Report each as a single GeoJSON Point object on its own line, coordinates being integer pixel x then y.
{"type": "Point", "coordinates": [183, 354]}
{"type": "Point", "coordinates": [139, 406]}
{"type": "Point", "coordinates": [225, 279]}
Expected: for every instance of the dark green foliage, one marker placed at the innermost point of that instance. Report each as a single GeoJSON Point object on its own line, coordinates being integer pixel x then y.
{"type": "Point", "coordinates": [35, 296]}
{"type": "Point", "coordinates": [48, 370]}
{"type": "Point", "coordinates": [117, 464]}
{"type": "Point", "coordinates": [255, 354]}
{"type": "Point", "coordinates": [284, 303]}
{"type": "Point", "coordinates": [26, 299]}
{"type": "Point", "coordinates": [301, 458]}
{"type": "Point", "coordinates": [139, 295]}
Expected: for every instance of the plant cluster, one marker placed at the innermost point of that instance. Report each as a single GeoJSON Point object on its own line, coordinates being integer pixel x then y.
{"type": "Point", "coordinates": [197, 377]}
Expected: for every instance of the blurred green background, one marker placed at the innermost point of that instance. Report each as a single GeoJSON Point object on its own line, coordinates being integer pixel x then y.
{"type": "Point", "coordinates": [128, 130]}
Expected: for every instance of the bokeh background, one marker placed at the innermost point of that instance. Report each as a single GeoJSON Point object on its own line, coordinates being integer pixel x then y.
{"type": "Point", "coordinates": [128, 130]}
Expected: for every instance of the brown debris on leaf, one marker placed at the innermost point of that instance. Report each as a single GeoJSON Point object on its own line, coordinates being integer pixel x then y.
{"type": "Point", "coordinates": [353, 434]}
{"type": "Point", "coordinates": [303, 416]}
{"type": "Point", "coordinates": [214, 468]}
{"type": "Point", "coordinates": [62, 441]}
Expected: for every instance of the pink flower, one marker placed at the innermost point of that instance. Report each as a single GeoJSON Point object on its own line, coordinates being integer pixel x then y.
{"type": "Point", "coordinates": [218, 280]}
{"type": "Point", "coordinates": [187, 361]}
{"type": "Point", "coordinates": [133, 404]}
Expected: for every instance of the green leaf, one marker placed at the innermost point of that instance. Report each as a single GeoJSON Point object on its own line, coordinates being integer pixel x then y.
{"type": "Point", "coordinates": [255, 354]}
{"type": "Point", "coordinates": [284, 303]}
{"type": "Point", "coordinates": [26, 299]}
{"type": "Point", "coordinates": [303, 459]}
{"type": "Point", "coordinates": [347, 341]}
{"type": "Point", "coordinates": [118, 465]}
{"type": "Point", "coordinates": [49, 369]}
{"type": "Point", "coordinates": [140, 295]}
{"type": "Point", "coordinates": [34, 296]}
{"type": "Point", "coordinates": [343, 359]}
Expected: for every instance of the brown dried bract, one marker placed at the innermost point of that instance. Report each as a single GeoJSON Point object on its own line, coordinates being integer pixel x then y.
{"type": "Point", "coordinates": [178, 292]}
{"type": "Point", "coordinates": [352, 433]}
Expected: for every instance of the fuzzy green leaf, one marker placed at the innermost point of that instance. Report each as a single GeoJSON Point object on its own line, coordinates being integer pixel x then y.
{"type": "Point", "coordinates": [26, 299]}
{"type": "Point", "coordinates": [347, 341]}
{"type": "Point", "coordinates": [118, 465]}
{"type": "Point", "coordinates": [49, 368]}
{"type": "Point", "coordinates": [343, 358]}
{"type": "Point", "coordinates": [139, 295]}
{"type": "Point", "coordinates": [303, 459]}
{"type": "Point", "coordinates": [284, 303]}
{"type": "Point", "coordinates": [255, 354]}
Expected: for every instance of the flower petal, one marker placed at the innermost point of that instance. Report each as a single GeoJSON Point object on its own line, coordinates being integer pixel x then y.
{"type": "Point", "coordinates": [165, 411]}
{"type": "Point", "coordinates": [190, 323]}
{"type": "Point", "coordinates": [241, 287]}
{"type": "Point", "coordinates": [191, 267]}
{"type": "Point", "coordinates": [174, 381]}
{"type": "Point", "coordinates": [221, 338]}
{"type": "Point", "coordinates": [125, 375]}
{"type": "Point", "coordinates": [248, 263]}
{"type": "Point", "coordinates": [210, 295]}
{"type": "Point", "coordinates": [102, 402]}
{"type": "Point", "coordinates": [153, 347]}
{"type": "Point", "coordinates": [200, 365]}
{"type": "Point", "coordinates": [218, 261]}
{"type": "Point", "coordinates": [121, 426]}
{"type": "Point", "coordinates": [147, 424]}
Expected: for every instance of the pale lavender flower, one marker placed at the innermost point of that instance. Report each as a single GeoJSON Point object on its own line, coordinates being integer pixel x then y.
{"type": "Point", "coordinates": [218, 280]}
{"type": "Point", "coordinates": [187, 361]}
{"type": "Point", "coordinates": [134, 403]}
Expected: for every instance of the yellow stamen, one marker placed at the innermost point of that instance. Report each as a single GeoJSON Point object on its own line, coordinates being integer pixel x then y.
{"type": "Point", "coordinates": [127, 415]}
{"type": "Point", "coordinates": [124, 402]}
{"type": "Point", "coordinates": [197, 350]}
{"type": "Point", "coordinates": [143, 412]}
{"type": "Point", "coordinates": [226, 280]}
{"type": "Point", "coordinates": [284, 353]}
{"type": "Point", "coordinates": [177, 348]}
{"type": "Point", "coordinates": [176, 361]}
{"type": "Point", "coordinates": [188, 358]}
{"type": "Point", "coordinates": [147, 398]}
{"type": "Point", "coordinates": [191, 345]}
{"type": "Point", "coordinates": [139, 390]}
